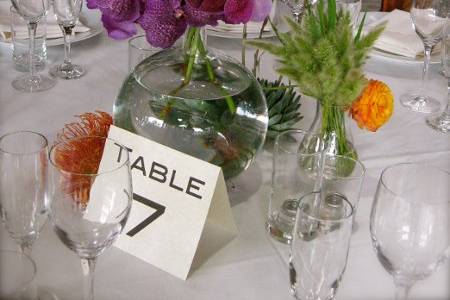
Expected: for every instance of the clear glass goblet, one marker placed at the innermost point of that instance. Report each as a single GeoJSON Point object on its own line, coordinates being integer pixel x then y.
{"type": "Point", "coordinates": [67, 13]}
{"type": "Point", "coordinates": [429, 18]}
{"type": "Point", "coordinates": [410, 222]}
{"type": "Point", "coordinates": [320, 247]}
{"type": "Point", "coordinates": [91, 198]}
{"type": "Point", "coordinates": [32, 11]}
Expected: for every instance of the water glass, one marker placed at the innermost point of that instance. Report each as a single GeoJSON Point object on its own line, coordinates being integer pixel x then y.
{"type": "Point", "coordinates": [20, 42]}
{"type": "Point", "coordinates": [17, 274]}
{"type": "Point", "coordinates": [138, 50]}
{"type": "Point", "coordinates": [320, 246]}
{"type": "Point", "coordinates": [295, 156]}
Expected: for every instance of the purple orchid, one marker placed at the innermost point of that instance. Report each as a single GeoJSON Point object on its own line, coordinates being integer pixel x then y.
{"type": "Point", "coordinates": [119, 16]}
{"type": "Point", "coordinates": [164, 21]}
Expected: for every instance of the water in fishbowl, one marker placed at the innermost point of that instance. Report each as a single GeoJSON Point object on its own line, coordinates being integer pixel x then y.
{"type": "Point", "coordinates": [222, 121]}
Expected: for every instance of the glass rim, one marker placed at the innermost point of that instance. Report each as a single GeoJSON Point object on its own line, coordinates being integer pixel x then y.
{"type": "Point", "coordinates": [347, 216]}
{"type": "Point", "coordinates": [29, 259]}
{"type": "Point", "coordinates": [133, 45]}
{"type": "Point", "coordinates": [296, 130]}
{"type": "Point", "coordinates": [40, 135]}
{"type": "Point", "coordinates": [56, 166]}
{"type": "Point", "coordinates": [409, 164]}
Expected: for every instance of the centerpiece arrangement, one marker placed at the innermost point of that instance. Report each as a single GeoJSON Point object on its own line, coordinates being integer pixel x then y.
{"type": "Point", "coordinates": [189, 98]}
{"type": "Point", "coordinates": [325, 58]}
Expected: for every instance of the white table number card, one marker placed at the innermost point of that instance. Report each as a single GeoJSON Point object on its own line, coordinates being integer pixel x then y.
{"type": "Point", "coordinates": [180, 213]}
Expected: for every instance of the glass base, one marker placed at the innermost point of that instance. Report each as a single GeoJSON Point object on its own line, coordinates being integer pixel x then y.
{"type": "Point", "coordinates": [440, 123]}
{"type": "Point", "coordinates": [418, 103]}
{"type": "Point", "coordinates": [281, 224]}
{"type": "Point", "coordinates": [67, 71]}
{"type": "Point", "coordinates": [37, 83]}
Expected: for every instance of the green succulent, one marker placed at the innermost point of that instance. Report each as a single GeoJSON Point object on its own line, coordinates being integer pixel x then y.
{"type": "Point", "coordinates": [283, 104]}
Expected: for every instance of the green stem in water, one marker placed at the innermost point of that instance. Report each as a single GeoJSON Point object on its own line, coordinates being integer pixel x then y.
{"type": "Point", "coordinates": [195, 45]}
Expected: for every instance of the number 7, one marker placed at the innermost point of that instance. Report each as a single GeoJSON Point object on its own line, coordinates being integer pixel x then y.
{"type": "Point", "coordinates": [160, 209]}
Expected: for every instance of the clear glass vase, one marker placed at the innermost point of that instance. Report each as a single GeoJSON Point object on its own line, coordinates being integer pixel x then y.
{"type": "Point", "coordinates": [198, 102]}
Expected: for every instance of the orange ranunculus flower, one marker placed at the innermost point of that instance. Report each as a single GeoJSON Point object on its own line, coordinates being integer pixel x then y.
{"type": "Point", "coordinates": [374, 106]}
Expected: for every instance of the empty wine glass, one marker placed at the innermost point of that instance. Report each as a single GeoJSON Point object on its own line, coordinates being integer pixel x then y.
{"type": "Point", "coordinates": [32, 11]}
{"type": "Point", "coordinates": [442, 122]}
{"type": "Point", "coordinates": [410, 222]}
{"type": "Point", "coordinates": [92, 198]}
{"type": "Point", "coordinates": [429, 18]}
{"type": "Point", "coordinates": [67, 14]}
{"type": "Point", "coordinates": [320, 247]}
{"type": "Point", "coordinates": [23, 186]}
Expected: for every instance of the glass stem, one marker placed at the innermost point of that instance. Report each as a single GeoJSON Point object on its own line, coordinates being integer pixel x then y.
{"type": "Point", "coordinates": [402, 292]}
{"type": "Point", "coordinates": [426, 65]}
{"type": "Point", "coordinates": [26, 248]}
{"type": "Point", "coordinates": [32, 34]}
{"type": "Point", "coordinates": [67, 32]}
{"type": "Point", "coordinates": [88, 266]}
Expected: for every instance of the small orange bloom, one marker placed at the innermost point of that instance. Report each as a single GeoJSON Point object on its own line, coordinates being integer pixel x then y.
{"type": "Point", "coordinates": [374, 106]}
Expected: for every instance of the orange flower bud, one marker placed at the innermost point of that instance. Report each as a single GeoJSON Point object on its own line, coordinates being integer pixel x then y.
{"type": "Point", "coordinates": [374, 106]}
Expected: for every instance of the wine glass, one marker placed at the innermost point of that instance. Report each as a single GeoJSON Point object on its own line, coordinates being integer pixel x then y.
{"type": "Point", "coordinates": [410, 222]}
{"type": "Point", "coordinates": [320, 246]}
{"type": "Point", "coordinates": [67, 14]}
{"type": "Point", "coordinates": [92, 198]}
{"type": "Point", "coordinates": [429, 18]}
{"type": "Point", "coordinates": [32, 12]}
{"type": "Point", "coordinates": [23, 186]}
{"type": "Point", "coordinates": [442, 121]}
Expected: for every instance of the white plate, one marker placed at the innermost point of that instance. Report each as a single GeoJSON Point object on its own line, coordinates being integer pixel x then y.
{"type": "Point", "coordinates": [374, 16]}
{"type": "Point", "coordinates": [90, 18]}
{"type": "Point", "coordinates": [281, 11]}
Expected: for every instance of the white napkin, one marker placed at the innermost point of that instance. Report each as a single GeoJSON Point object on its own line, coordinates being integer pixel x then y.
{"type": "Point", "coordinates": [53, 29]}
{"type": "Point", "coordinates": [399, 36]}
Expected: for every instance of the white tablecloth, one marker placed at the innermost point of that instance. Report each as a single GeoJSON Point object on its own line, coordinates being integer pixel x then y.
{"type": "Point", "coordinates": [251, 266]}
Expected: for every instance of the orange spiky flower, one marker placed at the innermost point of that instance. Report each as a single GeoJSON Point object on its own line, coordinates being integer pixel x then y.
{"type": "Point", "coordinates": [374, 107]}
{"type": "Point", "coordinates": [80, 158]}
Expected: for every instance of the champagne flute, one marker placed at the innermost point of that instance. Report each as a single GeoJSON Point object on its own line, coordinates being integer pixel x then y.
{"type": "Point", "coordinates": [410, 222]}
{"type": "Point", "coordinates": [442, 122]}
{"type": "Point", "coordinates": [92, 198]}
{"type": "Point", "coordinates": [23, 186]}
{"type": "Point", "coordinates": [32, 11]}
{"type": "Point", "coordinates": [429, 18]}
{"type": "Point", "coordinates": [67, 14]}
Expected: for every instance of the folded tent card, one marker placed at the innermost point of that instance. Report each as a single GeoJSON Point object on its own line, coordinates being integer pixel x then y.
{"type": "Point", "coordinates": [53, 29]}
{"type": "Point", "coordinates": [180, 213]}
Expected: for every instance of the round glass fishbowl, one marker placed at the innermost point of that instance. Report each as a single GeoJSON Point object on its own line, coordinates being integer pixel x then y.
{"type": "Point", "coordinates": [208, 106]}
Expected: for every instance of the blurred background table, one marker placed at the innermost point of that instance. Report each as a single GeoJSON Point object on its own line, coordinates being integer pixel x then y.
{"type": "Point", "coordinates": [251, 266]}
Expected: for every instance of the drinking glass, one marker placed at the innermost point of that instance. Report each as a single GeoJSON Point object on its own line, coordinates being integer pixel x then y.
{"type": "Point", "coordinates": [320, 247]}
{"type": "Point", "coordinates": [92, 198]}
{"type": "Point", "coordinates": [16, 276]}
{"type": "Point", "coordinates": [32, 11]}
{"type": "Point", "coordinates": [67, 13]}
{"type": "Point", "coordinates": [24, 186]}
{"type": "Point", "coordinates": [410, 222]}
{"type": "Point", "coordinates": [442, 122]}
{"type": "Point", "coordinates": [290, 179]}
{"type": "Point", "coordinates": [300, 166]}
{"type": "Point", "coordinates": [429, 18]}
{"type": "Point", "coordinates": [138, 50]}
{"type": "Point", "coordinates": [353, 7]}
